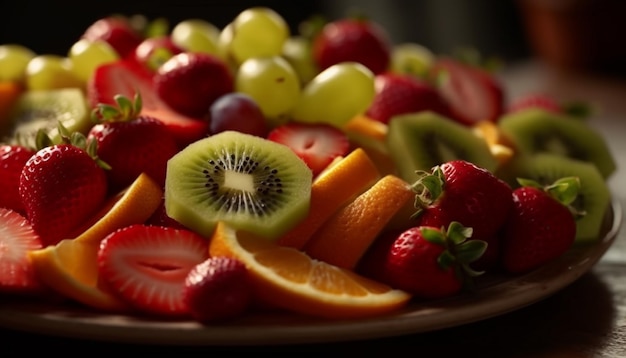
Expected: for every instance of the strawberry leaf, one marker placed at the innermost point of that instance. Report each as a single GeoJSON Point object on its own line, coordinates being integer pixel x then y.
{"type": "Point", "coordinates": [470, 251]}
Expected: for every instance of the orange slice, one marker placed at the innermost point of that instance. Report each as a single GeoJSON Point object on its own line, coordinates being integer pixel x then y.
{"type": "Point", "coordinates": [70, 267]}
{"type": "Point", "coordinates": [500, 147]}
{"type": "Point", "coordinates": [287, 278]}
{"type": "Point", "coordinates": [9, 94]}
{"type": "Point", "coordinates": [331, 190]}
{"type": "Point", "coordinates": [344, 238]}
{"type": "Point", "coordinates": [370, 135]}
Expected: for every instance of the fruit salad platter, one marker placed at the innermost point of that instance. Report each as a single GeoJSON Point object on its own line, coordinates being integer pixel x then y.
{"type": "Point", "coordinates": [189, 184]}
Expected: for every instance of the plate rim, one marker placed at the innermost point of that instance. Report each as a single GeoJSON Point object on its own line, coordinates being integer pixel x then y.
{"type": "Point", "coordinates": [417, 317]}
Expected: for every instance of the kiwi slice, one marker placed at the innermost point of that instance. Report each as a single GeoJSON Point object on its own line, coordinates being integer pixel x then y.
{"type": "Point", "coordinates": [594, 198]}
{"type": "Point", "coordinates": [419, 141]}
{"type": "Point", "coordinates": [539, 131]}
{"type": "Point", "coordinates": [246, 181]}
{"type": "Point", "coordinates": [44, 109]}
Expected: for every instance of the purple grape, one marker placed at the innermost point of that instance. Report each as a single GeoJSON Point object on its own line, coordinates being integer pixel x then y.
{"type": "Point", "coordinates": [237, 111]}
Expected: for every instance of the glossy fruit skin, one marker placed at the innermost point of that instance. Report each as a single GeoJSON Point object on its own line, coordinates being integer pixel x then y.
{"type": "Point", "coordinates": [356, 40]}
{"type": "Point", "coordinates": [218, 289]}
{"type": "Point", "coordinates": [407, 261]}
{"type": "Point", "coordinates": [539, 229]}
{"type": "Point", "coordinates": [61, 186]}
{"type": "Point", "coordinates": [191, 81]}
{"type": "Point", "coordinates": [472, 93]}
{"type": "Point", "coordinates": [12, 160]}
{"type": "Point", "coordinates": [401, 94]}
{"type": "Point", "coordinates": [474, 197]}
{"type": "Point", "coordinates": [141, 145]}
{"type": "Point", "coordinates": [117, 31]}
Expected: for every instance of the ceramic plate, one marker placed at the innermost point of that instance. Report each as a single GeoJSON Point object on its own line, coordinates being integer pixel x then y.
{"type": "Point", "coordinates": [496, 296]}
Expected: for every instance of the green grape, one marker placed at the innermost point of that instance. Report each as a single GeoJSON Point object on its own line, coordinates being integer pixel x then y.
{"type": "Point", "coordinates": [45, 72]}
{"type": "Point", "coordinates": [272, 83]}
{"type": "Point", "coordinates": [13, 61]}
{"type": "Point", "coordinates": [255, 32]}
{"type": "Point", "coordinates": [297, 50]}
{"type": "Point", "coordinates": [412, 59]}
{"type": "Point", "coordinates": [196, 35]}
{"type": "Point", "coordinates": [336, 94]}
{"type": "Point", "coordinates": [87, 55]}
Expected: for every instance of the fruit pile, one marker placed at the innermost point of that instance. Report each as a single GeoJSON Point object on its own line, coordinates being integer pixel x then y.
{"type": "Point", "coordinates": [204, 173]}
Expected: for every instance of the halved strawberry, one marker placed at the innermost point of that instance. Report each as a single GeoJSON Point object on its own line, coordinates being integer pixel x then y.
{"type": "Point", "coordinates": [317, 144]}
{"type": "Point", "coordinates": [147, 266]}
{"type": "Point", "coordinates": [17, 237]}
{"type": "Point", "coordinates": [12, 160]}
{"type": "Point", "coordinates": [473, 93]}
{"type": "Point", "coordinates": [117, 31]}
{"type": "Point", "coordinates": [126, 78]}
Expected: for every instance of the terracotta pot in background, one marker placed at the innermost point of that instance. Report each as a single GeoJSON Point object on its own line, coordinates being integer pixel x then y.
{"type": "Point", "coordinates": [577, 34]}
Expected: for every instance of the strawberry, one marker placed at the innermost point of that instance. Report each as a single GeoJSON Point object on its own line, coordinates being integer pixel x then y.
{"type": "Point", "coordinates": [160, 218]}
{"type": "Point", "coordinates": [428, 262]}
{"type": "Point", "coordinates": [147, 266]}
{"type": "Point", "coordinates": [128, 78]}
{"type": "Point", "coordinates": [117, 32]}
{"type": "Point", "coordinates": [535, 100]}
{"type": "Point", "coordinates": [131, 143]}
{"type": "Point", "coordinates": [191, 81]}
{"type": "Point", "coordinates": [61, 186]}
{"type": "Point", "coordinates": [400, 94]}
{"type": "Point", "coordinates": [152, 52]}
{"type": "Point", "coordinates": [317, 144]}
{"type": "Point", "coordinates": [461, 191]}
{"type": "Point", "coordinates": [352, 39]}
{"type": "Point", "coordinates": [541, 225]}
{"type": "Point", "coordinates": [12, 160]}
{"type": "Point", "coordinates": [17, 237]}
{"type": "Point", "coordinates": [473, 93]}
{"type": "Point", "coordinates": [218, 289]}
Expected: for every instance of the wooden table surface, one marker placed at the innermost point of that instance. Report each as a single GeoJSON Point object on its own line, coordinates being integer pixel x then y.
{"type": "Point", "coordinates": [586, 319]}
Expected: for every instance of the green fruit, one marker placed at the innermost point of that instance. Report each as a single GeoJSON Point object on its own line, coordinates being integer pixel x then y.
{"type": "Point", "coordinates": [420, 141]}
{"type": "Point", "coordinates": [44, 109]}
{"type": "Point", "coordinates": [539, 131]}
{"type": "Point", "coordinates": [246, 181]}
{"type": "Point", "coordinates": [594, 198]}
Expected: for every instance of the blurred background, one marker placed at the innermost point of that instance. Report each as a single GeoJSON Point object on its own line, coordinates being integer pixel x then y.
{"type": "Point", "coordinates": [571, 34]}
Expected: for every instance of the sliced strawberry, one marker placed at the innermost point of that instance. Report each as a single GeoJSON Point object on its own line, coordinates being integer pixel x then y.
{"type": "Point", "coordinates": [117, 32]}
{"type": "Point", "coordinates": [535, 100]}
{"type": "Point", "coordinates": [472, 93]}
{"type": "Point", "coordinates": [218, 289]}
{"type": "Point", "coordinates": [12, 160]}
{"type": "Point", "coordinates": [147, 266]}
{"type": "Point", "coordinates": [126, 78]}
{"type": "Point", "coordinates": [317, 144]}
{"type": "Point", "coordinates": [17, 237]}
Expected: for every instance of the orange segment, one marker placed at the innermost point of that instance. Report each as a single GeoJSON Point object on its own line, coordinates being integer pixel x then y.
{"type": "Point", "coordinates": [331, 190]}
{"type": "Point", "coordinates": [344, 238]}
{"type": "Point", "coordinates": [287, 278]}
{"type": "Point", "coordinates": [370, 135]}
{"type": "Point", "coordinates": [70, 267]}
{"type": "Point", "coordinates": [9, 94]}
{"type": "Point", "coordinates": [500, 147]}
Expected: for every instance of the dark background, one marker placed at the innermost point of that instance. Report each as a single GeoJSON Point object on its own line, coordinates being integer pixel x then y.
{"type": "Point", "coordinates": [491, 26]}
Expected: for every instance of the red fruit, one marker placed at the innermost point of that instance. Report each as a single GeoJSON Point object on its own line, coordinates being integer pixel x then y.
{"type": "Point", "coordinates": [427, 262]}
{"type": "Point", "coordinates": [191, 82]}
{"type": "Point", "coordinates": [131, 144]}
{"type": "Point", "coordinates": [472, 93]}
{"type": "Point", "coordinates": [17, 237]}
{"type": "Point", "coordinates": [356, 40]}
{"type": "Point", "coordinates": [468, 194]}
{"type": "Point", "coordinates": [152, 52]}
{"type": "Point", "coordinates": [12, 160]}
{"type": "Point", "coordinates": [535, 100]}
{"type": "Point", "coordinates": [218, 289]}
{"type": "Point", "coordinates": [147, 266]}
{"type": "Point", "coordinates": [540, 228]}
{"type": "Point", "coordinates": [117, 31]}
{"type": "Point", "coordinates": [127, 78]}
{"type": "Point", "coordinates": [160, 218]}
{"type": "Point", "coordinates": [400, 94]}
{"type": "Point", "coordinates": [317, 144]}
{"type": "Point", "coordinates": [61, 186]}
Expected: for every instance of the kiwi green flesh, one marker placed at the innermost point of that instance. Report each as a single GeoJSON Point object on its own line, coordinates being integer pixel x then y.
{"type": "Point", "coordinates": [44, 109]}
{"type": "Point", "coordinates": [420, 141]}
{"type": "Point", "coordinates": [594, 198]}
{"type": "Point", "coordinates": [248, 182]}
{"type": "Point", "coordinates": [539, 131]}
